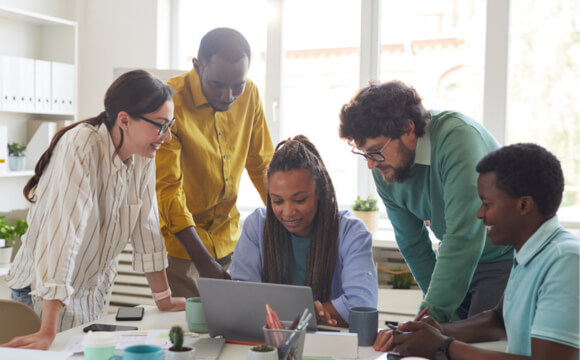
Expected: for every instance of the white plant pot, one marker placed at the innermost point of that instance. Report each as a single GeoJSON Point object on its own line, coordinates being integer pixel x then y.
{"type": "Point", "coordinates": [6, 255]}
{"type": "Point", "coordinates": [180, 355]}
{"type": "Point", "coordinates": [17, 163]}
{"type": "Point", "coordinates": [263, 355]}
{"type": "Point", "coordinates": [370, 218]}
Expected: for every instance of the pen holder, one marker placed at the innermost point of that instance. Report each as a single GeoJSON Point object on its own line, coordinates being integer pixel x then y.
{"type": "Point", "coordinates": [290, 343]}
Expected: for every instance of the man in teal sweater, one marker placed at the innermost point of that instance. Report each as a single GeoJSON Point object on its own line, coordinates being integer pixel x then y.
{"type": "Point", "coordinates": [423, 164]}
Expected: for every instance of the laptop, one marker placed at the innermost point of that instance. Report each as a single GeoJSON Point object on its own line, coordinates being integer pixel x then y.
{"type": "Point", "coordinates": [236, 310]}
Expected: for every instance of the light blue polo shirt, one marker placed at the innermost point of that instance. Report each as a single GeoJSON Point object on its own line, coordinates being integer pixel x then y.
{"type": "Point", "coordinates": [542, 298]}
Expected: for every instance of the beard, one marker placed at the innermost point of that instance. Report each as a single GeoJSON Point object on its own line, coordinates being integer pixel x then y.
{"type": "Point", "coordinates": [401, 173]}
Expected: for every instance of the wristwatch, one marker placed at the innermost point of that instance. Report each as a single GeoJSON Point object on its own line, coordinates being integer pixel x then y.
{"type": "Point", "coordinates": [442, 352]}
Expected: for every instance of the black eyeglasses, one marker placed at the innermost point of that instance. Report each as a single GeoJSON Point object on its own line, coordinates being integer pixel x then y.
{"type": "Point", "coordinates": [373, 155]}
{"type": "Point", "coordinates": [162, 128]}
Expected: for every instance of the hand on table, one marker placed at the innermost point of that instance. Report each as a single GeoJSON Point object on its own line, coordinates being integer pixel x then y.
{"type": "Point", "coordinates": [171, 304]}
{"type": "Point", "coordinates": [418, 339]}
{"type": "Point", "coordinates": [322, 316]}
{"type": "Point", "coordinates": [38, 340]}
{"type": "Point", "coordinates": [384, 341]}
{"type": "Point", "coordinates": [212, 269]}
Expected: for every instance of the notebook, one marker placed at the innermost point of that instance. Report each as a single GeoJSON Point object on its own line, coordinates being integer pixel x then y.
{"type": "Point", "coordinates": [236, 310]}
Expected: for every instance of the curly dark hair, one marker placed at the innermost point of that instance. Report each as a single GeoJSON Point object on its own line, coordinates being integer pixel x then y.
{"type": "Point", "coordinates": [527, 169]}
{"type": "Point", "coordinates": [382, 109]}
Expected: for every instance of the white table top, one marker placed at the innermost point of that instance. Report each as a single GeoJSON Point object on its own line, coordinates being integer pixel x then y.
{"type": "Point", "coordinates": [155, 319]}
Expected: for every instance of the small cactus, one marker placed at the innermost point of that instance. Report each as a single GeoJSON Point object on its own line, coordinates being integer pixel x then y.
{"type": "Point", "coordinates": [176, 337]}
{"type": "Point", "coordinates": [263, 348]}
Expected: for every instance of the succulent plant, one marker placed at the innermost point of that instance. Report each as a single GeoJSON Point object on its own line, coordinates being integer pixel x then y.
{"type": "Point", "coordinates": [176, 337]}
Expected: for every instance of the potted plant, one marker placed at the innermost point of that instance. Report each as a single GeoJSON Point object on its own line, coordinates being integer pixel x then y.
{"type": "Point", "coordinates": [402, 279]}
{"type": "Point", "coordinates": [263, 352]}
{"type": "Point", "coordinates": [368, 211]}
{"type": "Point", "coordinates": [178, 351]}
{"type": "Point", "coordinates": [16, 156]}
{"type": "Point", "coordinates": [9, 233]}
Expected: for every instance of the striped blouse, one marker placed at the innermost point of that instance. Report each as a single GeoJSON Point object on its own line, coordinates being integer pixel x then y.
{"type": "Point", "coordinates": [89, 204]}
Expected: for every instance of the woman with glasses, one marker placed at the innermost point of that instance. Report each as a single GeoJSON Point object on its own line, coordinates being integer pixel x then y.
{"type": "Point", "coordinates": [93, 191]}
{"type": "Point", "coordinates": [302, 239]}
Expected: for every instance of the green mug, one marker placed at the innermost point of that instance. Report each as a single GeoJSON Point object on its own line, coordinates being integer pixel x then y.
{"type": "Point", "coordinates": [140, 352]}
{"type": "Point", "coordinates": [99, 345]}
{"type": "Point", "coordinates": [195, 316]}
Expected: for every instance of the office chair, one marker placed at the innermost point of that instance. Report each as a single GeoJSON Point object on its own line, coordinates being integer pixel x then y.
{"type": "Point", "coordinates": [17, 320]}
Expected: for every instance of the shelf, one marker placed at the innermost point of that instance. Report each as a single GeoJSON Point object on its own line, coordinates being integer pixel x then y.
{"type": "Point", "coordinates": [37, 112]}
{"type": "Point", "coordinates": [17, 173]}
{"type": "Point", "coordinates": [30, 17]}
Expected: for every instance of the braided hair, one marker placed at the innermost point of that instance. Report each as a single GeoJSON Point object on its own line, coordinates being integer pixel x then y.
{"type": "Point", "coordinates": [300, 154]}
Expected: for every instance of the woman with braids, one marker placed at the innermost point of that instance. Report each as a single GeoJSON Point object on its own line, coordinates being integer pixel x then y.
{"type": "Point", "coordinates": [94, 191]}
{"type": "Point", "coordinates": [301, 238]}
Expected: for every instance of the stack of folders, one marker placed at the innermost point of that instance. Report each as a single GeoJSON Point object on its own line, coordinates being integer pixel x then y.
{"type": "Point", "coordinates": [31, 85]}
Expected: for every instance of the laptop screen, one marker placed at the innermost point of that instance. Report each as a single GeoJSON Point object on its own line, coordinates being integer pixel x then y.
{"type": "Point", "coordinates": [236, 310]}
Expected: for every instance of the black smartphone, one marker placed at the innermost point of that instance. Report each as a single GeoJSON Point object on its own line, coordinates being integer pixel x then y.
{"type": "Point", "coordinates": [108, 327]}
{"type": "Point", "coordinates": [391, 355]}
{"type": "Point", "coordinates": [129, 313]}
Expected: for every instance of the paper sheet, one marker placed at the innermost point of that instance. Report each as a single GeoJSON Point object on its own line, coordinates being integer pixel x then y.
{"type": "Point", "coordinates": [25, 354]}
{"type": "Point", "coordinates": [206, 348]}
{"type": "Point", "coordinates": [127, 338]}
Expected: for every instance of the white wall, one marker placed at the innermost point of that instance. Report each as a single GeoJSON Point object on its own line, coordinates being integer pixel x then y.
{"type": "Point", "coordinates": [58, 8]}
{"type": "Point", "coordinates": [112, 33]}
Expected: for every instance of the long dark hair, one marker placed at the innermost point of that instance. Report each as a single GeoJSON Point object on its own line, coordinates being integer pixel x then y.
{"type": "Point", "coordinates": [294, 154]}
{"type": "Point", "coordinates": [137, 92]}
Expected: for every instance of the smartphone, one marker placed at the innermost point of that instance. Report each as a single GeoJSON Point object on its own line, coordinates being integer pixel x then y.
{"type": "Point", "coordinates": [391, 355]}
{"type": "Point", "coordinates": [129, 313]}
{"type": "Point", "coordinates": [108, 327]}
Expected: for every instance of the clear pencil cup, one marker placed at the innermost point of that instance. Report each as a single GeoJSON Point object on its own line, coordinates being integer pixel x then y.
{"type": "Point", "coordinates": [290, 343]}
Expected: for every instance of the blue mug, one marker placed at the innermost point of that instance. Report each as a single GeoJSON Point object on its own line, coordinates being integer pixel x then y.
{"type": "Point", "coordinates": [140, 352]}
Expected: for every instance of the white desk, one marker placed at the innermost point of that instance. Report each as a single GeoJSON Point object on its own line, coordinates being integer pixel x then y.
{"type": "Point", "coordinates": [155, 319]}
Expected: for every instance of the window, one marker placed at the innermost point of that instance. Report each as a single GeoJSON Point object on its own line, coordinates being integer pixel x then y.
{"type": "Point", "coordinates": [320, 74]}
{"type": "Point", "coordinates": [438, 48]}
{"type": "Point", "coordinates": [195, 19]}
{"type": "Point", "coordinates": [543, 78]}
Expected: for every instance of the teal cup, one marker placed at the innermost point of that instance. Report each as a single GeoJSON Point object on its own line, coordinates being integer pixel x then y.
{"type": "Point", "coordinates": [98, 345]}
{"type": "Point", "coordinates": [140, 352]}
{"type": "Point", "coordinates": [195, 316]}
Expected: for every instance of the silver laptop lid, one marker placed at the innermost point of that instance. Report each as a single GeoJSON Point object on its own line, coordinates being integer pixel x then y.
{"type": "Point", "coordinates": [236, 310]}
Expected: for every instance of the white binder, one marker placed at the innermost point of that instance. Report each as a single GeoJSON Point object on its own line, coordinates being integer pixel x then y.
{"type": "Point", "coordinates": [62, 88]}
{"type": "Point", "coordinates": [25, 84]}
{"type": "Point", "coordinates": [9, 82]}
{"type": "Point", "coordinates": [42, 85]}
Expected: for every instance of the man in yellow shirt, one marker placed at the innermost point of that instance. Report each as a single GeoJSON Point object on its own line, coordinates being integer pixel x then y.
{"type": "Point", "coordinates": [220, 130]}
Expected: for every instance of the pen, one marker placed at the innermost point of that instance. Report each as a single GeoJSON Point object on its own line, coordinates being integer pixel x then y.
{"type": "Point", "coordinates": [395, 329]}
{"type": "Point", "coordinates": [422, 313]}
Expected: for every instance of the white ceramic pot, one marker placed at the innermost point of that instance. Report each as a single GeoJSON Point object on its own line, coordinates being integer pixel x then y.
{"type": "Point", "coordinates": [17, 163]}
{"type": "Point", "coordinates": [262, 355]}
{"type": "Point", "coordinates": [5, 255]}
{"type": "Point", "coordinates": [180, 355]}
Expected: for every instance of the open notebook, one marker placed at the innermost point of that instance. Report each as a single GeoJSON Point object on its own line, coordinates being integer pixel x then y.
{"type": "Point", "coordinates": [236, 310]}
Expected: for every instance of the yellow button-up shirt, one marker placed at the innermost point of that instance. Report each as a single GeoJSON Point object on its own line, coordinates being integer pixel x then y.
{"type": "Point", "coordinates": [199, 170]}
